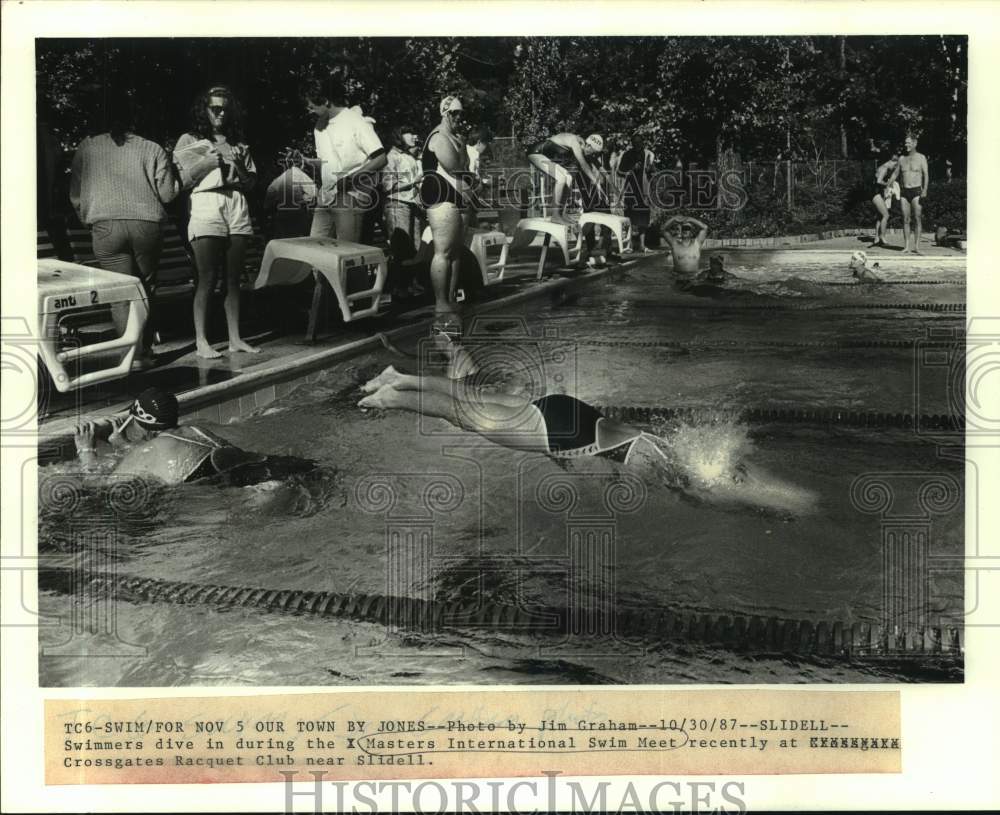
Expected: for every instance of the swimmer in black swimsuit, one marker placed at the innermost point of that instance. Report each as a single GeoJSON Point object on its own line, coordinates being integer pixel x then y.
{"type": "Point", "coordinates": [560, 426]}
{"type": "Point", "coordinates": [443, 191]}
{"type": "Point", "coordinates": [560, 155]}
{"type": "Point", "coordinates": [564, 427]}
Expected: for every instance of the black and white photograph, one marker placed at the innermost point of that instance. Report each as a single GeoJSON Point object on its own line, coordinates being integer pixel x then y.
{"type": "Point", "coordinates": [501, 360]}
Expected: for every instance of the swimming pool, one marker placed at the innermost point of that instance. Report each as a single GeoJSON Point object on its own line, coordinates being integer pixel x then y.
{"type": "Point", "coordinates": [815, 385]}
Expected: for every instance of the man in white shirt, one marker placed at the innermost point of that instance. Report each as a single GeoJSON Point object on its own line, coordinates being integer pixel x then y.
{"type": "Point", "coordinates": [350, 155]}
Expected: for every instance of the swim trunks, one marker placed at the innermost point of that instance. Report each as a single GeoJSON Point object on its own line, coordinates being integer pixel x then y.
{"type": "Point", "coordinates": [909, 193]}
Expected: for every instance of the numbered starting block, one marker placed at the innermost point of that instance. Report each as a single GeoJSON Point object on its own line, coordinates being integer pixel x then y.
{"type": "Point", "coordinates": [90, 322]}
{"type": "Point", "coordinates": [356, 274]}
{"type": "Point", "coordinates": [567, 237]}
{"type": "Point", "coordinates": [620, 227]}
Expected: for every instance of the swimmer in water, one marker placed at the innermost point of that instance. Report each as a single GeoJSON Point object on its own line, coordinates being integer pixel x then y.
{"type": "Point", "coordinates": [564, 427]}
{"type": "Point", "coordinates": [863, 269]}
{"type": "Point", "coordinates": [685, 242]}
{"type": "Point", "coordinates": [153, 445]}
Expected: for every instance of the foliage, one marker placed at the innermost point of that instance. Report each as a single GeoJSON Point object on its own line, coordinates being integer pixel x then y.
{"type": "Point", "coordinates": [695, 100]}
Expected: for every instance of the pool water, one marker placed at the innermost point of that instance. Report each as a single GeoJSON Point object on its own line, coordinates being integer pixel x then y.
{"type": "Point", "coordinates": [790, 543]}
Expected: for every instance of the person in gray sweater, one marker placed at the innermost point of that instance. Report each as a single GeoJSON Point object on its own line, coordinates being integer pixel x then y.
{"type": "Point", "coordinates": [119, 185]}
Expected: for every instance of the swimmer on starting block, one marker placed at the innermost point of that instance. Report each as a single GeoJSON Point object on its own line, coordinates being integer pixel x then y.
{"type": "Point", "coordinates": [564, 427]}
{"type": "Point", "coordinates": [685, 243]}
{"type": "Point", "coordinates": [558, 157]}
{"type": "Point", "coordinates": [151, 444]}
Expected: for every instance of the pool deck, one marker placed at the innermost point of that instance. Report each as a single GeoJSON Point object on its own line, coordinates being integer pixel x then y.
{"type": "Point", "coordinates": [228, 388]}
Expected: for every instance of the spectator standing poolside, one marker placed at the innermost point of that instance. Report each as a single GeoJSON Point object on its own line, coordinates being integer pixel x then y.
{"type": "Point", "coordinates": [443, 191]}
{"type": "Point", "coordinates": [885, 191]}
{"type": "Point", "coordinates": [480, 141]}
{"type": "Point", "coordinates": [350, 155]}
{"type": "Point", "coordinates": [120, 182]}
{"type": "Point", "coordinates": [915, 177]}
{"type": "Point", "coordinates": [634, 168]}
{"type": "Point", "coordinates": [404, 220]}
{"type": "Point", "coordinates": [215, 164]}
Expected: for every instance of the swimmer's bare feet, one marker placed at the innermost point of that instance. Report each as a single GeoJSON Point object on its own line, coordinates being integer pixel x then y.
{"type": "Point", "coordinates": [206, 351]}
{"type": "Point", "coordinates": [381, 399]}
{"type": "Point", "coordinates": [237, 346]}
{"type": "Point", "coordinates": [387, 377]}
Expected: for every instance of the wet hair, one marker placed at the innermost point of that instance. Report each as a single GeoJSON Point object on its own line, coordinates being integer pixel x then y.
{"type": "Point", "coordinates": [232, 126]}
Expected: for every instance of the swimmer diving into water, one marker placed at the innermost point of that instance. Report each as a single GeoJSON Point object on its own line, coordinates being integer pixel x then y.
{"type": "Point", "coordinates": [152, 444]}
{"type": "Point", "coordinates": [564, 427]}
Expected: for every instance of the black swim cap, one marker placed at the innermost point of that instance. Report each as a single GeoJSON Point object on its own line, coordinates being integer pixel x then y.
{"type": "Point", "coordinates": [156, 409]}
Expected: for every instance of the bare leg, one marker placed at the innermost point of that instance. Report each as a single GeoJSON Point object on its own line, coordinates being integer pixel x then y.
{"type": "Point", "coordinates": [439, 384]}
{"type": "Point", "coordinates": [520, 428]}
{"type": "Point", "coordinates": [906, 226]}
{"type": "Point", "coordinates": [883, 222]}
{"type": "Point", "coordinates": [206, 256]}
{"type": "Point", "coordinates": [234, 270]}
{"type": "Point", "coordinates": [918, 230]}
{"type": "Point", "coordinates": [446, 226]}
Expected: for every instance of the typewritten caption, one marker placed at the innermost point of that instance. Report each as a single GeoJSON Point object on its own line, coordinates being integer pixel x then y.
{"type": "Point", "coordinates": [489, 734]}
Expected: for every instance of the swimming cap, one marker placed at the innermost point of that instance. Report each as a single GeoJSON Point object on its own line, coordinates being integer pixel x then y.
{"type": "Point", "coordinates": [155, 409]}
{"type": "Point", "coordinates": [450, 103]}
{"type": "Point", "coordinates": [595, 141]}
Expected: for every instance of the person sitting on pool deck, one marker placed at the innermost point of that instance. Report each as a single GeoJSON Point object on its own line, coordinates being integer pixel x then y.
{"type": "Point", "coordinates": [558, 156]}
{"type": "Point", "coordinates": [685, 243]}
{"type": "Point", "coordinates": [156, 447]}
{"type": "Point", "coordinates": [913, 168]}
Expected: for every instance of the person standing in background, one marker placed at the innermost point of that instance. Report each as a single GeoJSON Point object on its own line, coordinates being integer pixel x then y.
{"type": "Point", "coordinates": [215, 164]}
{"type": "Point", "coordinates": [634, 171]}
{"type": "Point", "coordinates": [404, 220]}
{"type": "Point", "coordinates": [119, 184]}
{"type": "Point", "coordinates": [915, 177]}
{"type": "Point", "coordinates": [350, 155]}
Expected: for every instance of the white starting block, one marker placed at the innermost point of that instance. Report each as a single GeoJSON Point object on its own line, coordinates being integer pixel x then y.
{"type": "Point", "coordinates": [488, 247]}
{"type": "Point", "coordinates": [568, 238]}
{"type": "Point", "coordinates": [620, 226]}
{"type": "Point", "coordinates": [355, 272]}
{"type": "Point", "coordinates": [88, 315]}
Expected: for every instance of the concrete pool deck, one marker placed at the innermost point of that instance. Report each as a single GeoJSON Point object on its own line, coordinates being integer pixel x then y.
{"type": "Point", "coordinates": [224, 390]}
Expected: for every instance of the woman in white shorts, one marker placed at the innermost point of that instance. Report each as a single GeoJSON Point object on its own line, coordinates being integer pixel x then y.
{"type": "Point", "coordinates": [215, 165]}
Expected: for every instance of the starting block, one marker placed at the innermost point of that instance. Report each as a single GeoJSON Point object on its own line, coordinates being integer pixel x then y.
{"type": "Point", "coordinates": [355, 272]}
{"type": "Point", "coordinates": [88, 318]}
{"type": "Point", "coordinates": [488, 247]}
{"type": "Point", "coordinates": [568, 237]}
{"type": "Point", "coordinates": [620, 227]}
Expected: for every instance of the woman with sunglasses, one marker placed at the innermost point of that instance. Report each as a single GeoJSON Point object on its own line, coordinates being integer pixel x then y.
{"type": "Point", "coordinates": [215, 165]}
{"type": "Point", "coordinates": [443, 191]}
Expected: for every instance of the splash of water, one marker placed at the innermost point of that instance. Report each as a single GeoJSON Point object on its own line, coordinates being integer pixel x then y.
{"type": "Point", "coordinates": [710, 454]}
